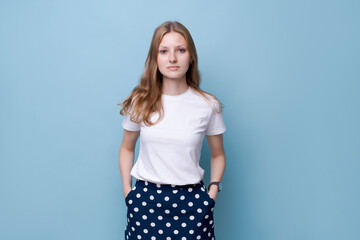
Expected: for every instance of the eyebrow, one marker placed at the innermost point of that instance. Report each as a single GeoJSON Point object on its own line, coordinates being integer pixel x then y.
{"type": "Point", "coordinates": [176, 46]}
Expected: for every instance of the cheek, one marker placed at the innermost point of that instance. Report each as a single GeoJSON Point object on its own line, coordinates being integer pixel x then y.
{"type": "Point", "coordinates": [186, 59]}
{"type": "Point", "coordinates": [161, 62]}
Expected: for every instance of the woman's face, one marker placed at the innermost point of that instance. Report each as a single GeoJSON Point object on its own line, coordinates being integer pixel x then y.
{"type": "Point", "coordinates": [173, 57]}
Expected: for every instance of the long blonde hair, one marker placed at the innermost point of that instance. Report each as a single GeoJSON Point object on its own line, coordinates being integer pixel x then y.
{"type": "Point", "coordinates": [145, 98]}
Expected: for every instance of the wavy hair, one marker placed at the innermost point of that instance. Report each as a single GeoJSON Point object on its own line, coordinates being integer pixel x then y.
{"type": "Point", "coordinates": [145, 98]}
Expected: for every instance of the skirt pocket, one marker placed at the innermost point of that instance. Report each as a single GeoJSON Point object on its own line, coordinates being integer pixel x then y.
{"type": "Point", "coordinates": [205, 191]}
{"type": "Point", "coordinates": [211, 199]}
{"type": "Point", "coordinates": [127, 198]}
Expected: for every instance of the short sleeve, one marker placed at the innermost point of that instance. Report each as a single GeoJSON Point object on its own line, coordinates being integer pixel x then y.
{"type": "Point", "coordinates": [130, 125]}
{"type": "Point", "coordinates": [216, 123]}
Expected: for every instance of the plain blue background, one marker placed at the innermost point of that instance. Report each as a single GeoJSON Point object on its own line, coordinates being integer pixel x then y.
{"type": "Point", "coordinates": [288, 73]}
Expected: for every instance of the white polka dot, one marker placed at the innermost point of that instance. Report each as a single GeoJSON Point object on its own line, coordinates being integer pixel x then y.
{"type": "Point", "coordinates": [191, 217]}
{"type": "Point", "coordinates": [191, 231]}
{"type": "Point", "coordinates": [204, 229]}
{"type": "Point", "coordinates": [146, 183]}
{"type": "Point", "coordinates": [151, 210]}
{"type": "Point", "coordinates": [130, 201]}
{"type": "Point", "coordinates": [199, 210]}
{"type": "Point", "coordinates": [145, 230]}
{"type": "Point", "coordinates": [158, 204]}
{"type": "Point", "coordinates": [209, 234]}
{"type": "Point", "coordinates": [160, 217]}
{"type": "Point", "coordinates": [182, 197]}
{"type": "Point", "coordinates": [190, 204]}
{"type": "Point", "coordinates": [183, 211]}
{"type": "Point", "coordinates": [167, 211]}
{"type": "Point", "coordinates": [183, 238]}
{"type": "Point", "coordinates": [206, 203]}
{"type": "Point", "coordinates": [198, 237]}
{"type": "Point", "coordinates": [183, 224]}
{"type": "Point", "coordinates": [168, 224]}
{"type": "Point", "coordinates": [158, 191]}
{"type": "Point", "coordinates": [168, 238]}
{"type": "Point", "coordinates": [151, 197]}
{"type": "Point", "coordinates": [212, 209]}
{"type": "Point", "coordinates": [145, 189]}
{"type": "Point", "coordinates": [158, 185]}
{"type": "Point", "coordinates": [152, 224]}
{"type": "Point", "coordinates": [174, 205]}
{"type": "Point", "coordinates": [211, 221]}
{"type": "Point", "coordinates": [144, 203]}
{"type": "Point", "coordinates": [132, 228]}
{"type": "Point", "coordinates": [153, 238]}
{"type": "Point", "coordinates": [197, 195]}
{"type": "Point", "coordinates": [199, 224]}
{"type": "Point", "coordinates": [136, 209]}
{"type": "Point", "coordinates": [190, 189]}
{"type": "Point", "coordinates": [176, 217]}
{"type": "Point", "coordinates": [175, 191]}
{"type": "Point", "coordinates": [176, 232]}
{"type": "Point", "coordinates": [166, 198]}
{"type": "Point", "coordinates": [144, 217]}
{"type": "Point", "coordinates": [160, 231]}
{"type": "Point", "coordinates": [138, 236]}
{"type": "Point", "coordinates": [202, 189]}
{"type": "Point", "coordinates": [173, 185]}
{"type": "Point", "coordinates": [138, 195]}
{"type": "Point", "coordinates": [138, 223]}
{"type": "Point", "coordinates": [131, 215]}
{"type": "Point", "coordinates": [207, 216]}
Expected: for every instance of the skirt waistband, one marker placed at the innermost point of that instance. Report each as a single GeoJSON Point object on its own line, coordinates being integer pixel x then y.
{"type": "Point", "coordinates": [151, 185]}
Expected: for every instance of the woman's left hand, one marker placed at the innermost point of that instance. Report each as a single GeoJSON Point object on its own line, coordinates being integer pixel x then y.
{"type": "Point", "coordinates": [213, 193]}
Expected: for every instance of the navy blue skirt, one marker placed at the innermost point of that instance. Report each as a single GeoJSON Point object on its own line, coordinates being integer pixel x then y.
{"type": "Point", "coordinates": [162, 211]}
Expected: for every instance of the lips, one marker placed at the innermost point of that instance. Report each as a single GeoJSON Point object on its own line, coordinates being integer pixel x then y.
{"type": "Point", "coordinates": [173, 68]}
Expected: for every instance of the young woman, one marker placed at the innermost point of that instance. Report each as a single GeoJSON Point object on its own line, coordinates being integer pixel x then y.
{"type": "Point", "coordinates": [171, 114]}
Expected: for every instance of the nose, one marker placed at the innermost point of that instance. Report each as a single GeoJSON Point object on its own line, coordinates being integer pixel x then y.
{"type": "Point", "coordinates": [172, 57]}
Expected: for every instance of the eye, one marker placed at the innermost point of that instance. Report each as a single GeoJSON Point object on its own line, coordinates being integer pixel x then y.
{"type": "Point", "coordinates": [162, 51]}
{"type": "Point", "coordinates": [182, 50]}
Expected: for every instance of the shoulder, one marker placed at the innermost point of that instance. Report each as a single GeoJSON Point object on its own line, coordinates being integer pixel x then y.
{"type": "Point", "coordinates": [209, 99]}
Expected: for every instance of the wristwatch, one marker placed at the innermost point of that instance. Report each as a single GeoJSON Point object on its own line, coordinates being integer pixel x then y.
{"type": "Point", "coordinates": [217, 184]}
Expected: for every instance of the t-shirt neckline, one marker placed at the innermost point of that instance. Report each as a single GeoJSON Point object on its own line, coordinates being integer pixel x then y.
{"type": "Point", "coordinates": [179, 95]}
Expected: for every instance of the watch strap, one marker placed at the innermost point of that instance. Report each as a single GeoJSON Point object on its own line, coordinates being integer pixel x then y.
{"type": "Point", "coordinates": [214, 183]}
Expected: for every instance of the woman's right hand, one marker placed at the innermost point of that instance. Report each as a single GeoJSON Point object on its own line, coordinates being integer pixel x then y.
{"type": "Point", "coordinates": [126, 191]}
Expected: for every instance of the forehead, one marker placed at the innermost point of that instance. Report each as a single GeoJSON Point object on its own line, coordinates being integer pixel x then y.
{"type": "Point", "coordinates": [172, 39]}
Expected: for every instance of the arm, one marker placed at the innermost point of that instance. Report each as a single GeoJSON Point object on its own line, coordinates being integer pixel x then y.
{"type": "Point", "coordinates": [217, 152]}
{"type": "Point", "coordinates": [126, 158]}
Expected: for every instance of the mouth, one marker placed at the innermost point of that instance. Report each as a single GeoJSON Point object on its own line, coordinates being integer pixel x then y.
{"type": "Point", "coordinates": [173, 68]}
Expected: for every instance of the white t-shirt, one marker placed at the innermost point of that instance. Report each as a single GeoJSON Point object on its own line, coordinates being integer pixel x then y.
{"type": "Point", "coordinates": [170, 150]}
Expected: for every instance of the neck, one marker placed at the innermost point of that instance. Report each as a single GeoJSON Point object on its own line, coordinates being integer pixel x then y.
{"type": "Point", "coordinates": [174, 86]}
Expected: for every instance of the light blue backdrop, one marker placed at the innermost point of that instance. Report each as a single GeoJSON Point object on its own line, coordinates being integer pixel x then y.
{"type": "Point", "coordinates": [288, 73]}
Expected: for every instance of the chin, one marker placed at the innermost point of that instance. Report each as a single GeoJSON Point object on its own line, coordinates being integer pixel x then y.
{"type": "Point", "coordinates": [174, 75]}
